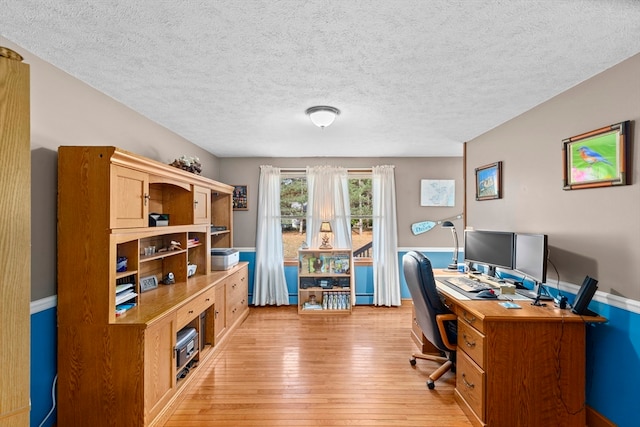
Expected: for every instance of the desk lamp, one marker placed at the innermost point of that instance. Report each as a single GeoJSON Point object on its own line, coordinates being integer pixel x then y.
{"type": "Point", "coordinates": [325, 228]}
{"type": "Point", "coordinates": [454, 261]}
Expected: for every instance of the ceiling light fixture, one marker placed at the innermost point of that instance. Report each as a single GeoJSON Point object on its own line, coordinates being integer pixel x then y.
{"type": "Point", "coordinates": [322, 115]}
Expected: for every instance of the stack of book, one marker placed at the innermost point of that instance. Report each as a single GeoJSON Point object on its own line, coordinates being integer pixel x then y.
{"type": "Point", "coordinates": [124, 294]}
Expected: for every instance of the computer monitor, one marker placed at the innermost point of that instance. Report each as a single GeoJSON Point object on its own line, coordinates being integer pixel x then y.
{"type": "Point", "coordinates": [494, 249]}
{"type": "Point", "coordinates": [531, 256]}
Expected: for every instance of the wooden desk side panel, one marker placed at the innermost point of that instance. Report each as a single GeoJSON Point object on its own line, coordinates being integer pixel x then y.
{"type": "Point", "coordinates": [535, 373]}
{"type": "Point", "coordinates": [83, 240]}
{"type": "Point", "coordinates": [100, 375]}
{"type": "Point", "coordinates": [15, 245]}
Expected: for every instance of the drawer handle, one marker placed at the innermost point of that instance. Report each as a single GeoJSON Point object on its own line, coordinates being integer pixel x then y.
{"type": "Point", "coordinates": [234, 285]}
{"type": "Point", "coordinates": [207, 300]}
{"type": "Point", "coordinates": [467, 383]}
{"type": "Point", "coordinates": [190, 311]}
{"type": "Point", "coordinates": [467, 342]}
{"type": "Point", "coordinates": [468, 319]}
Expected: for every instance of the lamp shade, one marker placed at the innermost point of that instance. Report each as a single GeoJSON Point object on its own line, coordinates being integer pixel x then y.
{"type": "Point", "coordinates": [322, 115]}
{"type": "Point", "coordinates": [325, 227]}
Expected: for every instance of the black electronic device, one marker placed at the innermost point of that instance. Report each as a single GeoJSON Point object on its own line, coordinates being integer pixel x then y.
{"type": "Point", "coordinates": [584, 296]}
{"type": "Point", "coordinates": [186, 346]}
{"type": "Point", "coordinates": [494, 249]}
{"type": "Point", "coordinates": [307, 282]}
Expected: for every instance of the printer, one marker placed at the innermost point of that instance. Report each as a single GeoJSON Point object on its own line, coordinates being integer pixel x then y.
{"type": "Point", "coordinates": [224, 258]}
{"type": "Point", "coordinates": [186, 346]}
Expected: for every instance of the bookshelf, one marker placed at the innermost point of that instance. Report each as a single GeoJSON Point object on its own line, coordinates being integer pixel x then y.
{"type": "Point", "coordinates": [325, 281]}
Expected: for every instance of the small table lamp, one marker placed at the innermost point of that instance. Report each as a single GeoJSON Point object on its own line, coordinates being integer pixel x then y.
{"type": "Point", "coordinates": [325, 228]}
{"type": "Point", "coordinates": [454, 261]}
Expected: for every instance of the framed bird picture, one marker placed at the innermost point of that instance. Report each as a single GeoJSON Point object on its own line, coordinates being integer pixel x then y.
{"type": "Point", "coordinates": [597, 158]}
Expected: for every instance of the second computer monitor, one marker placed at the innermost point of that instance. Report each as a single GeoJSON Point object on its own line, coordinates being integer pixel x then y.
{"type": "Point", "coordinates": [531, 256]}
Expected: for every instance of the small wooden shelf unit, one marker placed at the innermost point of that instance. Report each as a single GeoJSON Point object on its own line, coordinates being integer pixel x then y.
{"type": "Point", "coordinates": [120, 367]}
{"type": "Point", "coordinates": [325, 281]}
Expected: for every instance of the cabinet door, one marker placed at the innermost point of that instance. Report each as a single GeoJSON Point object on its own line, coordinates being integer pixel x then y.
{"type": "Point", "coordinates": [201, 205]}
{"type": "Point", "coordinates": [219, 319]}
{"type": "Point", "coordinates": [129, 198]}
{"type": "Point", "coordinates": [160, 365]}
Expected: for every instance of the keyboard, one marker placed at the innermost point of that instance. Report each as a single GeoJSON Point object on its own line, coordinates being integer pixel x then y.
{"type": "Point", "coordinates": [467, 284]}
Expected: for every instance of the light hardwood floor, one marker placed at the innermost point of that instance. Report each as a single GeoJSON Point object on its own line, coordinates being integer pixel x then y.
{"type": "Point", "coordinates": [281, 369]}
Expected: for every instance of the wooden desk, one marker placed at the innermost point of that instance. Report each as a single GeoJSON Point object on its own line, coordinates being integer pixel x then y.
{"type": "Point", "coordinates": [519, 367]}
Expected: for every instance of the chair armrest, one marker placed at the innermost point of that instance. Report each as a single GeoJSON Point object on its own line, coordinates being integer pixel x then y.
{"type": "Point", "coordinates": [440, 320]}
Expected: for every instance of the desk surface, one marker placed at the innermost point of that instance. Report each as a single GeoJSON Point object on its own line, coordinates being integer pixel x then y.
{"type": "Point", "coordinates": [491, 309]}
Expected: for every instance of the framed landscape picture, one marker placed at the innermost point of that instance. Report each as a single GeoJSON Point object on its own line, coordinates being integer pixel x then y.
{"type": "Point", "coordinates": [597, 158]}
{"type": "Point", "coordinates": [240, 195]}
{"type": "Point", "coordinates": [489, 181]}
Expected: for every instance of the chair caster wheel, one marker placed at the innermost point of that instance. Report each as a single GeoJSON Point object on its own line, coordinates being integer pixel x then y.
{"type": "Point", "coordinates": [412, 362]}
{"type": "Point", "coordinates": [431, 385]}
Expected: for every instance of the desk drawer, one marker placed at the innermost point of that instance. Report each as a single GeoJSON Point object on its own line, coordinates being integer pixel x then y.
{"type": "Point", "coordinates": [470, 319]}
{"type": "Point", "coordinates": [471, 341]}
{"type": "Point", "coordinates": [237, 288]}
{"type": "Point", "coordinates": [194, 307]}
{"type": "Point", "coordinates": [449, 303]}
{"type": "Point", "coordinates": [470, 383]}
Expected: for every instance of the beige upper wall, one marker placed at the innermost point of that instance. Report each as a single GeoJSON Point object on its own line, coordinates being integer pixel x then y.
{"type": "Point", "coordinates": [592, 232]}
{"type": "Point", "coordinates": [66, 111]}
{"type": "Point", "coordinates": [408, 173]}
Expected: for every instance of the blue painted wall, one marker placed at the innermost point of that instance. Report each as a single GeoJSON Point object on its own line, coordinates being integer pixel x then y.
{"type": "Point", "coordinates": [613, 350]}
{"type": "Point", "coordinates": [43, 365]}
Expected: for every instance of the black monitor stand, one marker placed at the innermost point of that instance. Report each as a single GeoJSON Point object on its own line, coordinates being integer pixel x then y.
{"type": "Point", "coordinates": [491, 271]}
{"type": "Point", "coordinates": [539, 296]}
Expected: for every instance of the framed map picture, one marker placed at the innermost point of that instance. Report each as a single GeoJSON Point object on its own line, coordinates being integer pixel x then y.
{"type": "Point", "coordinates": [437, 192]}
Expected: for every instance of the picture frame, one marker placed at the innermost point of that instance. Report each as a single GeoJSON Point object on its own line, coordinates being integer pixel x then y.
{"type": "Point", "coordinates": [437, 192]}
{"type": "Point", "coordinates": [597, 158]}
{"type": "Point", "coordinates": [240, 198]}
{"type": "Point", "coordinates": [489, 181]}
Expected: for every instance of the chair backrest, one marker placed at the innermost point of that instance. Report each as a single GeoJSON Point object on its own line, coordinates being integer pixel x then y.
{"type": "Point", "coordinates": [427, 303]}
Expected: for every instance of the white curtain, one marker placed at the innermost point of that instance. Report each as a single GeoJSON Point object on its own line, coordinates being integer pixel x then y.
{"type": "Point", "coordinates": [386, 280]}
{"type": "Point", "coordinates": [270, 285]}
{"type": "Point", "coordinates": [328, 200]}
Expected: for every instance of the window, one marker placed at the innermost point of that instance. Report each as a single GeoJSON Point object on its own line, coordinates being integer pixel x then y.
{"type": "Point", "coordinates": [293, 210]}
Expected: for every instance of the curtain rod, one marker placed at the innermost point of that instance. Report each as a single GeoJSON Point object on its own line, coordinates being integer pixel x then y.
{"type": "Point", "coordinates": [302, 170]}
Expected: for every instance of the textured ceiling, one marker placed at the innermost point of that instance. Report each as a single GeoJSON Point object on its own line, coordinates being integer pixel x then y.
{"type": "Point", "coordinates": [412, 78]}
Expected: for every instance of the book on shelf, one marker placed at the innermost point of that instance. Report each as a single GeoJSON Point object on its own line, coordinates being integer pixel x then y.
{"type": "Point", "coordinates": [123, 308]}
{"type": "Point", "coordinates": [311, 306]}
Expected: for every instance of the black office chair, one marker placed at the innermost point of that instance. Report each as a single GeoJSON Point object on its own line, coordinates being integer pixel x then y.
{"type": "Point", "coordinates": [438, 323]}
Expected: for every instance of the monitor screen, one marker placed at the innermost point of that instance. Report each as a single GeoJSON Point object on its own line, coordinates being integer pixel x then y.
{"type": "Point", "coordinates": [490, 248]}
{"type": "Point", "coordinates": [531, 256]}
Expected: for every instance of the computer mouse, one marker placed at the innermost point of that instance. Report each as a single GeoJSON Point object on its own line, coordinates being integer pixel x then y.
{"type": "Point", "coordinates": [487, 294]}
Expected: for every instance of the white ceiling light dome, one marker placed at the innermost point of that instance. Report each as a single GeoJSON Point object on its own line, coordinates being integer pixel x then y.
{"type": "Point", "coordinates": [322, 115]}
